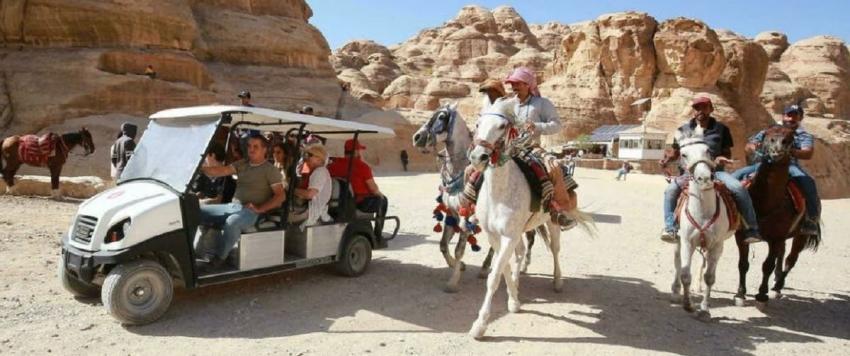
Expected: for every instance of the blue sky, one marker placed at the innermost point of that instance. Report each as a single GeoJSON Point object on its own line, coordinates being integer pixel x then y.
{"type": "Point", "coordinates": [392, 21]}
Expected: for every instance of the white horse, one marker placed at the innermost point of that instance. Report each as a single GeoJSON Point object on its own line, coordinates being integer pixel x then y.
{"type": "Point", "coordinates": [704, 223]}
{"type": "Point", "coordinates": [447, 127]}
{"type": "Point", "coordinates": [503, 209]}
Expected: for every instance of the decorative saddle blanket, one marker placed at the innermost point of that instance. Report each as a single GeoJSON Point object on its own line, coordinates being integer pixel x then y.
{"type": "Point", "coordinates": [35, 150]}
{"type": "Point", "coordinates": [793, 190]}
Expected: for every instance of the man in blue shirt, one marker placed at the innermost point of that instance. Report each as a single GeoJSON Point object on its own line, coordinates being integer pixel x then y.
{"type": "Point", "coordinates": [804, 148]}
{"type": "Point", "coordinates": [719, 140]}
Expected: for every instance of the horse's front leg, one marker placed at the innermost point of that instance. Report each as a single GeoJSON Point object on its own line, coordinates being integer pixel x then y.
{"type": "Point", "coordinates": [511, 276]}
{"type": "Point", "coordinates": [55, 171]}
{"type": "Point", "coordinates": [711, 267]}
{"type": "Point", "coordinates": [676, 287]}
{"type": "Point", "coordinates": [454, 281]}
{"type": "Point", "coordinates": [778, 278]}
{"type": "Point", "coordinates": [504, 247]}
{"type": "Point", "coordinates": [446, 238]}
{"type": "Point", "coordinates": [686, 250]}
{"type": "Point", "coordinates": [766, 270]}
{"type": "Point", "coordinates": [743, 267]}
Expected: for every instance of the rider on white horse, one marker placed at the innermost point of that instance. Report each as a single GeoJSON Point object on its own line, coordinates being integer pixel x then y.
{"type": "Point", "coordinates": [719, 140]}
{"type": "Point", "coordinates": [537, 116]}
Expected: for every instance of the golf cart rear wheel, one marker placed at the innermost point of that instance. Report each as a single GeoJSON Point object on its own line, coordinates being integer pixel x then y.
{"type": "Point", "coordinates": [75, 286]}
{"type": "Point", "coordinates": [355, 258]}
{"type": "Point", "coordinates": [138, 292]}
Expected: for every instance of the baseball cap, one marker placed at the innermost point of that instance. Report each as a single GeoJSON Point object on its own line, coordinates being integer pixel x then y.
{"type": "Point", "coordinates": [352, 144]}
{"type": "Point", "coordinates": [244, 94]}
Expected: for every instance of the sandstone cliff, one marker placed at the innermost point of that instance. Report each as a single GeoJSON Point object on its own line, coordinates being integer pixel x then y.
{"type": "Point", "coordinates": [67, 63]}
{"type": "Point", "coordinates": [594, 70]}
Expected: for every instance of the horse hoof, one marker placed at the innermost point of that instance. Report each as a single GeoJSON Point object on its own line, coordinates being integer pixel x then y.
{"type": "Point", "coordinates": [688, 307]}
{"type": "Point", "coordinates": [675, 298]}
{"type": "Point", "coordinates": [483, 274]}
{"type": "Point", "coordinates": [451, 289]}
{"type": "Point", "coordinates": [703, 315]}
{"type": "Point", "coordinates": [477, 330]}
{"type": "Point", "coordinates": [513, 307]}
{"type": "Point", "coordinates": [558, 286]}
{"type": "Point", "coordinates": [739, 301]}
{"type": "Point", "coordinates": [775, 295]}
{"type": "Point", "coordinates": [463, 266]}
{"type": "Point", "coordinates": [762, 298]}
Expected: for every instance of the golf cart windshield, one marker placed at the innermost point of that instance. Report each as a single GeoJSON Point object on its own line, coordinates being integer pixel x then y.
{"type": "Point", "coordinates": [170, 151]}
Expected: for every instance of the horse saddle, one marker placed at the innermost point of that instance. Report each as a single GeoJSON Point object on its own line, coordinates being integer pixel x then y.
{"type": "Point", "coordinates": [722, 191]}
{"type": "Point", "coordinates": [792, 189]}
{"type": "Point", "coordinates": [35, 150]}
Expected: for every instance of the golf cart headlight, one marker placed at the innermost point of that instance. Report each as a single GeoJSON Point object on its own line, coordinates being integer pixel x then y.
{"type": "Point", "coordinates": [118, 231]}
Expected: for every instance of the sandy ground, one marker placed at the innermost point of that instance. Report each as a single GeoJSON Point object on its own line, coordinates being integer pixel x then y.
{"type": "Point", "coordinates": [615, 299]}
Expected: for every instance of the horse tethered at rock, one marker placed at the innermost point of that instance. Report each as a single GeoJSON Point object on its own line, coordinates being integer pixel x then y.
{"type": "Point", "coordinates": [132, 243]}
{"type": "Point", "coordinates": [50, 150]}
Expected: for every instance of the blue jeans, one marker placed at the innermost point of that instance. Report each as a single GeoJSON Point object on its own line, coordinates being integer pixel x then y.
{"type": "Point", "coordinates": [621, 174]}
{"type": "Point", "coordinates": [803, 180]}
{"type": "Point", "coordinates": [742, 199]}
{"type": "Point", "coordinates": [232, 218]}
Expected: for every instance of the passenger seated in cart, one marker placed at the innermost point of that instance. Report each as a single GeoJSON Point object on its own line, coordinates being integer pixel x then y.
{"type": "Point", "coordinates": [215, 190]}
{"type": "Point", "coordinates": [367, 196]}
{"type": "Point", "coordinates": [314, 191]}
{"type": "Point", "coordinates": [282, 154]}
{"type": "Point", "coordinates": [259, 189]}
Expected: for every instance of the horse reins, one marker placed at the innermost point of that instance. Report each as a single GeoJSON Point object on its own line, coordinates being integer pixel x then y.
{"type": "Point", "coordinates": [702, 228]}
{"type": "Point", "coordinates": [511, 133]}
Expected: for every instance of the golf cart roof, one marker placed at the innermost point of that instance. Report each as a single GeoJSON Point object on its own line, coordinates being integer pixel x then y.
{"type": "Point", "coordinates": [275, 120]}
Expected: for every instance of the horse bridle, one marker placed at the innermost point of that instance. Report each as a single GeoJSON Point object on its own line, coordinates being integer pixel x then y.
{"type": "Point", "coordinates": [692, 166]}
{"type": "Point", "coordinates": [495, 149]}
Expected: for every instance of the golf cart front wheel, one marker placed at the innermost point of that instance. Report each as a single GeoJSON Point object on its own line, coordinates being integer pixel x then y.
{"type": "Point", "coordinates": [138, 292]}
{"type": "Point", "coordinates": [356, 255]}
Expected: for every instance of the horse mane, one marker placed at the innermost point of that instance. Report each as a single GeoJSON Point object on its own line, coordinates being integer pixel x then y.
{"type": "Point", "coordinates": [504, 107]}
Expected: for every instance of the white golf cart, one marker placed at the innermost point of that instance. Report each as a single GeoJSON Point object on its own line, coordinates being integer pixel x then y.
{"type": "Point", "coordinates": [132, 243]}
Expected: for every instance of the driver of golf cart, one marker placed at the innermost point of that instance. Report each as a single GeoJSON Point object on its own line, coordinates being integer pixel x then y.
{"type": "Point", "coordinates": [259, 189]}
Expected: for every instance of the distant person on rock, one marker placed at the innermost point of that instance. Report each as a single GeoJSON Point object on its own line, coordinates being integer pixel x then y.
{"type": "Point", "coordinates": [122, 149]}
{"type": "Point", "coordinates": [150, 72]}
{"type": "Point", "coordinates": [306, 110]}
{"type": "Point", "coordinates": [245, 98]}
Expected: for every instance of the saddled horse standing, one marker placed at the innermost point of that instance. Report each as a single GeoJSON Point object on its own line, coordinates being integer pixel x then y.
{"type": "Point", "coordinates": [779, 217]}
{"type": "Point", "coordinates": [704, 219]}
{"type": "Point", "coordinates": [51, 151]}
{"type": "Point", "coordinates": [447, 127]}
{"type": "Point", "coordinates": [504, 209]}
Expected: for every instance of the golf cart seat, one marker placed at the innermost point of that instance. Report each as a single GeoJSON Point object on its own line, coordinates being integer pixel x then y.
{"type": "Point", "coordinates": [342, 201]}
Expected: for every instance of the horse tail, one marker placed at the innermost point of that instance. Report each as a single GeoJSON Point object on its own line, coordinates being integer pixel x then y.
{"type": "Point", "coordinates": [1, 154]}
{"type": "Point", "coordinates": [585, 221]}
{"type": "Point", "coordinates": [813, 242]}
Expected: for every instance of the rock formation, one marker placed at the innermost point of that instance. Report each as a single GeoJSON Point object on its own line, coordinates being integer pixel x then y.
{"type": "Point", "coordinates": [66, 63]}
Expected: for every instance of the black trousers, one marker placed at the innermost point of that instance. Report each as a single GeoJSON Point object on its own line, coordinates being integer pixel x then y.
{"type": "Point", "coordinates": [378, 205]}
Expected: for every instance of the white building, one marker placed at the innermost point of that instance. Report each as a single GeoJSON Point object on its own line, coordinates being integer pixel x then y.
{"type": "Point", "coordinates": [641, 142]}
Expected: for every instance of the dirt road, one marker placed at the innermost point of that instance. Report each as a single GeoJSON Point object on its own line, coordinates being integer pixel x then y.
{"type": "Point", "coordinates": [615, 299]}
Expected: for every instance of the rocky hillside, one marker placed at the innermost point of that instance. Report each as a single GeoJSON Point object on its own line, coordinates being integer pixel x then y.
{"type": "Point", "coordinates": [67, 63]}
{"type": "Point", "coordinates": [594, 70]}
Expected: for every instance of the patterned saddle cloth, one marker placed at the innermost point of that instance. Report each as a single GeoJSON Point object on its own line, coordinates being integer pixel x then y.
{"type": "Point", "coordinates": [35, 150]}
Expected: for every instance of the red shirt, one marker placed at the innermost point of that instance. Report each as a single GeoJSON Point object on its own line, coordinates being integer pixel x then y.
{"type": "Point", "coordinates": [360, 173]}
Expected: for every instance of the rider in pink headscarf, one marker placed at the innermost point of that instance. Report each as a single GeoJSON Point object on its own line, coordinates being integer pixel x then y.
{"type": "Point", "coordinates": [537, 116]}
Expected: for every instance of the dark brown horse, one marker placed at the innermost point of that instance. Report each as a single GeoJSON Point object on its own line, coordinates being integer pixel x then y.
{"type": "Point", "coordinates": [10, 161]}
{"type": "Point", "coordinates": [777, 217]}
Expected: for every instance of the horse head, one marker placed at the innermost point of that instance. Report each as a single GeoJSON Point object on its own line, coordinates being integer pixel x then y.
{"type": "Point", "coordinates": [436, 129]}
{"type": "Point", "coordinates": [777, 143]}
{"type": "Point", "coordinates": [697, 160]}
{"type": "Point", "coordinates": [494, 133]}
{"type": "Point", "coordinates": [86, 140]}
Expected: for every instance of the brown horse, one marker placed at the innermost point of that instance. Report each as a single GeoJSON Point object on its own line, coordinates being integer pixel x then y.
{"type": "Point", "coordinates": [777, 217]}
{"type": "Point", "coordinates": [66, 142]}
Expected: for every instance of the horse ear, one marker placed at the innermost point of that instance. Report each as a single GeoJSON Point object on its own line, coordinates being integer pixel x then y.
{"type": "Point", "coordinates": [452, 105]}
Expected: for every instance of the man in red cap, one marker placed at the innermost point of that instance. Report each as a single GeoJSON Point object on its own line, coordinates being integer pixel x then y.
{"type": "Point", "coordinates": [719, 140]}
{"type": "Point", "coordinates": [367, 196]}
